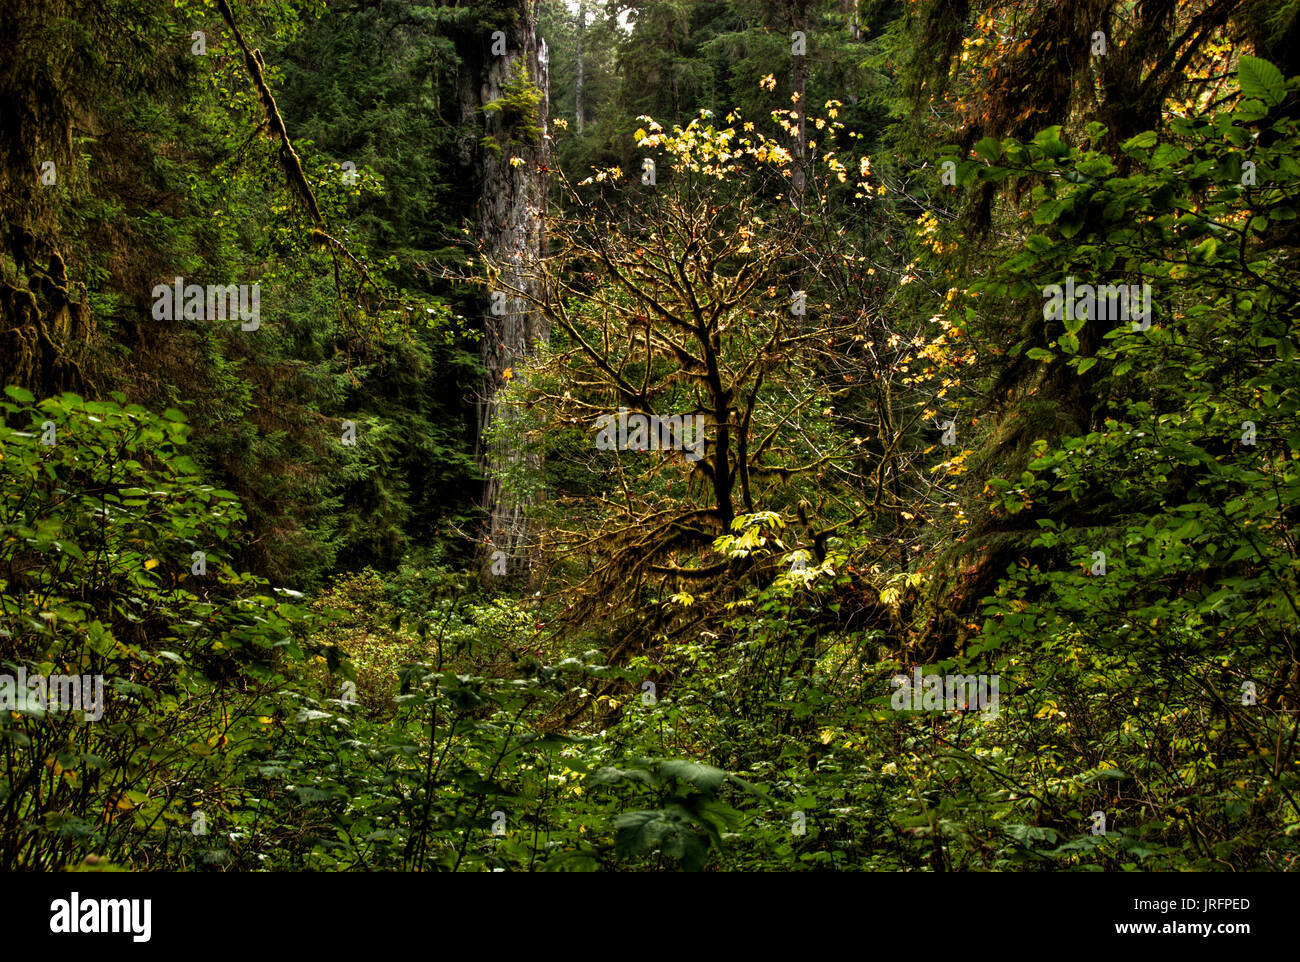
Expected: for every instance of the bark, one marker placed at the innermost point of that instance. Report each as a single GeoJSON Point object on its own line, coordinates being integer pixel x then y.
{"type": "Point", "coordinates": [511, 209]}
{"type": "Point", "coordinates": [577, 87]}
{"type": "Point", "coordinates": [44, 320]}
{"type": "Point", "coordinates": [799, 21]}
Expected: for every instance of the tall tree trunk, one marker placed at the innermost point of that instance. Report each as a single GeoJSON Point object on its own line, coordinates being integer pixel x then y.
{"type": "Point", "coordinates": [512, 157]}
{"type": "Point", "coordinates": [799, 22]}
{"type": "Point", "coordinates": [577, 87]}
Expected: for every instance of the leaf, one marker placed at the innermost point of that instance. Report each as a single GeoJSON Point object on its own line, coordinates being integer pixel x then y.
{"type": "Point", "coordinates": [639, 832]}
{"type": "Point", "coordinates": [1028, 834]}
{"type": "Point", "coordinates": [666, 831]}
{"type": "Point", "coordinates": [1048, 135]}
{"type": "Point", "coordinates": [1071, 223]}
{"type": "Point", "coordinates": [611, 776]}
{"type": "Point", "coordinates": [1050, 211]}
{"type": "Point", "coordinates": [1250, 110]}
{"type": "Point", "coordinates": [704, 777]}
{"type": "Point", "coordinates": [748, 787]}
{"type": "Point", "coordinates": [1167, 154]}
{"type": "Point", "coordinates": [1260, 78]}
{"type": "Point", "coordinates": [20, 394]}
{"type": "Point", "coordinates": [1086, 364]}
{"type": "Point", "coordinates": [130, 800]}
{"type": "Point", "coordinates": [306, 794]}
{"type": "Point", "coordinates": [72, 549]}
{"type": "Point", "coordinates": [1145, 139]}
{"type": "Point", "coordinates": [1099, 774]}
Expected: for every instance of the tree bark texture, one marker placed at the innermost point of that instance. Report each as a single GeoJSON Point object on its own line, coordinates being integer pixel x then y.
{"type": "Point", "coordinates": [504, 93]}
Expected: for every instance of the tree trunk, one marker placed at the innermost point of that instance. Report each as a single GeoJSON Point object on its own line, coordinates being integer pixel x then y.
{"type": "Point", "coordinates": [799, 22]}
{"type": "Point", "coordinates": [511, 210]}
{"type": "Point", "coordinates": [577, 87]}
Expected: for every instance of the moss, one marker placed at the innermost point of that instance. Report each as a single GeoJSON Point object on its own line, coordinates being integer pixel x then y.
{"type": "Point", "coordinates": [517, 107]}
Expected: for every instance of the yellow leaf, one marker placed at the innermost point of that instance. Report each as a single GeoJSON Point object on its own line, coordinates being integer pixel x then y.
{"type": "Point", "coordinates": [151, 564]}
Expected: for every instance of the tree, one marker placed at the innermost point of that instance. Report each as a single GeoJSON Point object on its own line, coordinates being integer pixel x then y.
{"type": "Point", "coordinates": [503, 90]}
{"type": "Point", "coordinates": [1156, 590]}
{"type": "Point", "coordinates": [685, 368]}
{"type": "Point", "coordinates": [1101, 73]}
{"type": "Point", "coordinates": [579, 102]}
{"type": "Point", "coordinates": [49, 88]}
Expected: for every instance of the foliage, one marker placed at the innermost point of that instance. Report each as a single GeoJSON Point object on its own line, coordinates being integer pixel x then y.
{"type": "Point", "coordinates": [99, 530]}
{"type": "Point", "coordinates": [917, 469]}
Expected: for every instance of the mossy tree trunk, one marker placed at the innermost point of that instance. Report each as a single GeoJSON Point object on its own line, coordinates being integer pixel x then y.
{"type": "Point", "coordinates": [504, 92]}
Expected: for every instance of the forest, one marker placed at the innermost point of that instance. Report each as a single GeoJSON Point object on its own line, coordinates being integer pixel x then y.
{"type": "Point", "coordinates": [649, 435]}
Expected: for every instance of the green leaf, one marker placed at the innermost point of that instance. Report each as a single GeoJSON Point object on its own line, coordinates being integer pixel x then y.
{"type": "Point", "coordinates": [1071, 222]}
{"type": "Point", "coordinates": [1028, 834]}
{"type": "Point", "coordinates": [1167, 154]}
{"type": "Point", "coordinates": [1050, 211]}
{"type": "Point", "coordinates": [611, 776]}
{"type": "Point", "coordinates": [704, 777]}
{"type": "Point", "coordinates": [1259, 78]}
{"type": "Point", "coordinates": [1146, 139]}
{"type": "Point", "coordinates": [639, 833]}
{"type": "Point", "coordinates": [306, 794]}
{"type": "Point", "coordinates": [1095, 130]}
{"type": "Point", "coordinates": [1048, 135]}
